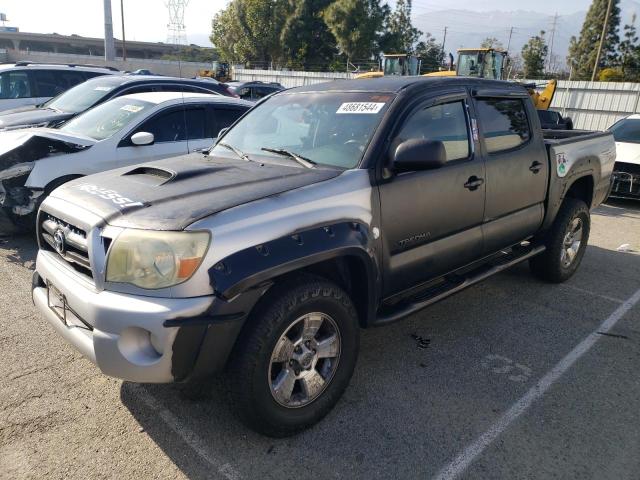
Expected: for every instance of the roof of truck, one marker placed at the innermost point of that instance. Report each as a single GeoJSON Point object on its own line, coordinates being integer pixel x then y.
{"type": "Point", "coordinates": [394, 84]}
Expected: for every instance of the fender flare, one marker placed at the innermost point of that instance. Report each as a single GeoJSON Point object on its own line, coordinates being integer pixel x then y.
{"type": "Point", "coordinates": [253, 266]}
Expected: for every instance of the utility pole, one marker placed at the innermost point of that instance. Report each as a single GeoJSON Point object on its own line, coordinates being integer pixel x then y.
{"type": "Point", "coordinates": [109, 47]}
{"type": "Point", "coordinates": [553, 35]}
{"type": "Point", "coordinates": [445, 38]}
{"type": "Point", "coordinates": [604, 33]}
{"type": "Point", "coordinates": [124, 41]}
{"type": "Point", "coordinates": [509, 42]}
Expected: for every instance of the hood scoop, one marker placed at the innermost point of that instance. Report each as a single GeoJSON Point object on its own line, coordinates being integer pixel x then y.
{"type": "Point", "coordinates": [150, 175]}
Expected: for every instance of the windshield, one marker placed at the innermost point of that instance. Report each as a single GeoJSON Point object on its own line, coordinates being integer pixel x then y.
{"type": "Point", "coordinates": [627, 131]}
{"type": "Point", "coordinates": [108, 118]}
{"type": "Point", "coordinates": [327, 128]}
{"type": "Point", "coordinates": [84, 95]}
{"type": "Point", "coordinates": [470, 64]}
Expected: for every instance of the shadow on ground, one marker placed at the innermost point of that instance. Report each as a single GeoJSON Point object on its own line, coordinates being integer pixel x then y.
{"type": "Point", "coordinates": [20, 249]}
{"type": "Point", "coordinates": [412, 405]}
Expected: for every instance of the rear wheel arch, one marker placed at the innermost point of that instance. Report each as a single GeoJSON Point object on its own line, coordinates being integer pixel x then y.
{"type": "Point", "coordinates": [581, 189]}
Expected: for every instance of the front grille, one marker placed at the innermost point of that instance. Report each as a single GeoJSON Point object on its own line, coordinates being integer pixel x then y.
{"type": "Point", "coordinates": [74, 247]}
{"type": "Point", "coordinates": [626, 184]}
{"type": "Point", "coordinates": [632, 168]}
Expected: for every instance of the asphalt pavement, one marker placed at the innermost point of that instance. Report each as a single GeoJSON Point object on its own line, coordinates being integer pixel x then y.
{"type": "Point", "coordinates": [512, 378]}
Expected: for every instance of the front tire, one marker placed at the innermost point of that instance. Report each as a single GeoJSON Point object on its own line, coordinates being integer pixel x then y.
{"type": "Point", "coordinates": [295, 357]}
{"type": "Point", "coordinates": [566, 243]}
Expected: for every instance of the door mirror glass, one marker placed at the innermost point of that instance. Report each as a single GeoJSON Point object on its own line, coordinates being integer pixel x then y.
{"type": "Point", "coordinates": [419, 154]}
{"type": "Point", "coordinates": [142, 138]}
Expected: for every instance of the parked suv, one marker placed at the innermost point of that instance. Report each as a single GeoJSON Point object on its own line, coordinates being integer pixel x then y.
{"type": "Point", "coordinates": [27, 83]}
{"type": "Point", "coordinates": [254, 91]}
{"type": "Point", "coordinates": [97, 90]}
{"type": "Point", "coordinates": [322, 210]}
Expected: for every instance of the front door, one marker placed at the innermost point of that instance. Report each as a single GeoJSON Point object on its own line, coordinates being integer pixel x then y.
{"type": "Point", "coordinates": [431, 220]}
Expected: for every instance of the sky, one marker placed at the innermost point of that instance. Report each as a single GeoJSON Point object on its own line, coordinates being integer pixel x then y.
{"type": "Point", "coordinates": [146, 20]}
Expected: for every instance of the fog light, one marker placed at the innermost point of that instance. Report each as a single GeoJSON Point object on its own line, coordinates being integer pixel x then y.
{"type": "Point", "coordinates": [136, 346]}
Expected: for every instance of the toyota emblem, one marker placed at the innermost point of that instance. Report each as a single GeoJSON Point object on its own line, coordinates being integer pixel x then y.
{"type": "Point", "coordinates": [59, 241]}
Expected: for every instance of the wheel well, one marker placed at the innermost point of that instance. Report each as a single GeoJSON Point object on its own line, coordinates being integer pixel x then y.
{"type": "Point", "coordinates": [582, 189]}
{"type": "Point", "coordinates": [55, 183]}
{"type": "Point", "coordinates": [350, 273]}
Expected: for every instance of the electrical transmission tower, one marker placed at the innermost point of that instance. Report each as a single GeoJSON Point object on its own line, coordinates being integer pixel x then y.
{"type": "Point", "coordinates": [177, 32]}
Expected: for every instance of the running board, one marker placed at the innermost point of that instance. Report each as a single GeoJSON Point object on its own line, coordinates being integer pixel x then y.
{"type": "Point", "coordinates": [453, 284]}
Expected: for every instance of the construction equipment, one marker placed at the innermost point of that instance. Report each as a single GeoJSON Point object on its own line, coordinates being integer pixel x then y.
{"type": "Point", "coordinates": [477, 62]}
{"type": "Point", "coordinates": [219, 71]}
{"type": "Point", "coordinates": [402, 64]}
{"type": "Point", "coordinates": [490, 63]}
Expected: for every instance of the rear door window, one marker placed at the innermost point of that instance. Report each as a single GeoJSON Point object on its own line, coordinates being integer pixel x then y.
{"type": "Point", "coordinates": [504, 123]}
{"type": "Point", "coordinates": [446, 123]}
{"type": "Point", "coordinates": [15, 84]}
{"type": "Point", "coordinates": [46, 83]}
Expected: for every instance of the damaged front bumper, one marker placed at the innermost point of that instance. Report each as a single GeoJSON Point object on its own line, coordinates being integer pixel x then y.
{"type": "Point", "coordinates": [626, 185]}
{"type": "Point", "coordinates": [17, 202]}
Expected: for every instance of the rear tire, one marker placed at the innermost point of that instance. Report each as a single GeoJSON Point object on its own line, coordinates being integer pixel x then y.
{"type": "Point", "coordinates": [566, 243]}
{"type": "Point", "coordinates": [295, 356]}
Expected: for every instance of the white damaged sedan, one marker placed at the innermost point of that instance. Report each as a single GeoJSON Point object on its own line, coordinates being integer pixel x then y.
{"type": "Point", "coordinates": [124, 131]}
{"type": "Point", "coordinates": [626, 171]}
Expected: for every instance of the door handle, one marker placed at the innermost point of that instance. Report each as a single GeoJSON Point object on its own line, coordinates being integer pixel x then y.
{"type": "Point", "coordinates": [473, 183]}
{"type": "Point", "coordinates": [535, 167]}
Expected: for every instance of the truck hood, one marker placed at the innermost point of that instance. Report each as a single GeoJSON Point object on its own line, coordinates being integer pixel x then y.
{"type": "Point", "coordinates": [628, 152]}
{"type": "Point", "coordinates": [172, 194]}
{"type": "Point", "coordinates": [25, 146]}
{"type": "Point", "coordinates": [32, 117]}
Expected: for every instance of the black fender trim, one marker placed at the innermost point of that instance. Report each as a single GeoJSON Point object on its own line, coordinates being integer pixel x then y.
{"type": "Point", "coordinates": [203, 343]}
{"type": "Point", "coordinates": [252, 266]}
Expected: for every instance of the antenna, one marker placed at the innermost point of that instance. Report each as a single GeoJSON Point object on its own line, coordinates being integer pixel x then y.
{"type": "Point", "coordinates": [177, 33]}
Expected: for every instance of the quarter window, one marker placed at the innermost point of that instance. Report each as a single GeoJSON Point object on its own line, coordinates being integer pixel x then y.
{"type": "Point", "coordinates": [504, 123]}
{"type": "Point", "coordinates": [446, 123]}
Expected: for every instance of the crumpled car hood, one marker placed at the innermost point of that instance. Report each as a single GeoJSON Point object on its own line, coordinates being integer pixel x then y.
{"type": "Point", "coordinates": [173, 193]}
{"type": "Point", "coordinates": [31, 117]}
{"type": "Point", "coordinates": [29, 145]}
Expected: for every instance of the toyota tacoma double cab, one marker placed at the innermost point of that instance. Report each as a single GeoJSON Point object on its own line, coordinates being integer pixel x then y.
{"type": "Point", "coordinates": [323, 210]}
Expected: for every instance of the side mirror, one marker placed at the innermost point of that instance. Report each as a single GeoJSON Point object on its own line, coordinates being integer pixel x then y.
{"type": "Point", "coordinates": [142, 138]}
{"type": "Point", "coordinates": [419, 154]}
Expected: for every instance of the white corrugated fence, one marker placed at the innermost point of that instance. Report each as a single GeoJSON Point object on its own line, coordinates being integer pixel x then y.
{"type": "Point", "coordinates": [591, 105]}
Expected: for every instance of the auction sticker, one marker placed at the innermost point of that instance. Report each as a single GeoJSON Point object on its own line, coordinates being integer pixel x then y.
{"type": "Point", "coordinates": [361, 107]}
{"type": "Point", "coordinates": [131, 108]}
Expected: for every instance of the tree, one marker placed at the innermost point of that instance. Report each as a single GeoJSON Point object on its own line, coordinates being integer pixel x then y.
{"type": "Point", "coordinates": [430, 53]}
{"type": "Point", "coordinates": [584, 49]}
{"type": "Point", "coordinates": [356, 26]}
{"type": "Point", "coordinates": [249, 30]}
{"type": "Point", "coordinates": [492, 42]}
{"type": "Point", "coordinates": [629, 53]}
{"type": "Point", "coordinates": [306, 38]}
{"type": "Point", "coordinates": [534, 54]}
{"type": "Point", "coordinates": [400, 36]}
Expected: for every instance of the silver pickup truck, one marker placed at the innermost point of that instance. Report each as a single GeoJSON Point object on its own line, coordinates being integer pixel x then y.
{"type": "Point", "coordinates": [323, 210]}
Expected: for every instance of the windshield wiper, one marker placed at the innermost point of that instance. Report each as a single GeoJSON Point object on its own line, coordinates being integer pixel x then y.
{"type": "Point", "coordinates": [304, 161]}
{"type": "Point", "coordinates": [235, 150]}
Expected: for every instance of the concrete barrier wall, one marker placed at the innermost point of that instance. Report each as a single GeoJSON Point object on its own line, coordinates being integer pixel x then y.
{"type": "Point", "coordinates": [162, 67]}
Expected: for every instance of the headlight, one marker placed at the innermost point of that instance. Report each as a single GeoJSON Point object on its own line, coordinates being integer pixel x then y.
{"type": "Point", "coordinates": [153, 259]}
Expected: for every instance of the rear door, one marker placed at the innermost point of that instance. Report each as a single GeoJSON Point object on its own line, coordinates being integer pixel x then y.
{"type": "Point", "coordinates": [432, 220]}
{"type": "Point", "coordinates": [517, 169]}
